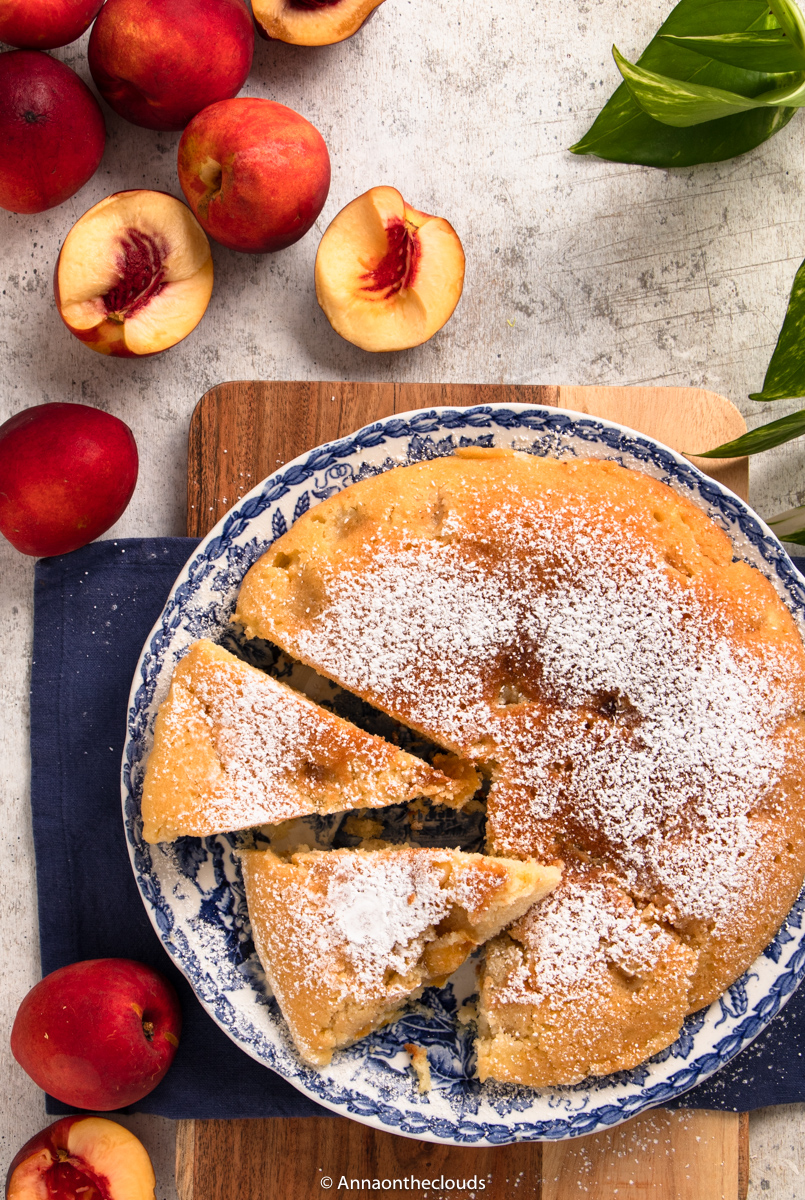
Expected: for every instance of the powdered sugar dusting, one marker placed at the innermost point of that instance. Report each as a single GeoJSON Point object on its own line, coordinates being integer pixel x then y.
{"type": "Point", "coordinates": [283, 755]}
{"type": "Point", "coordinates": [380, 907]}
{"type": "Point", "coordinates": [620, 707]}
{"type": "Point", "coordinates": [572, 937]}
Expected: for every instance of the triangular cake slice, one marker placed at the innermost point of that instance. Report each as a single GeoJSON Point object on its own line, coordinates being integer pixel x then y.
{"type": "Point", "coordinates": [234, 748]}
{"type": "Point", "coordinates": [346, 937]}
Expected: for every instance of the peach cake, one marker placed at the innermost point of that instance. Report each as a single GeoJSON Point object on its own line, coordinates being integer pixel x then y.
{"type": "Point", "coordinates": [347, 937]}
{"type": "Point", "coordinates": [581, 635]}
{"type": "Point", "coordinates": [235, 748]}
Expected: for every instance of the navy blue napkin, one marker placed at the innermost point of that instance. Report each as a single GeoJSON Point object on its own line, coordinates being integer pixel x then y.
{"type": "Point", "coordinates": [93, 611]}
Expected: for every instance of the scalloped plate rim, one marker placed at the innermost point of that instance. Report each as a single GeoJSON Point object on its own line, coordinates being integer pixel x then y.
{"type": "Point", "coordinates": [560, 1128]}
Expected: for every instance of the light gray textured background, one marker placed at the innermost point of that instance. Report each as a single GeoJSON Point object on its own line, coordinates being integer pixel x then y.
{"type": "Point", "coordinates": [578, 271]}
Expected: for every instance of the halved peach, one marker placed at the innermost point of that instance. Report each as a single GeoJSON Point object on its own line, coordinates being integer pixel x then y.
{"type": "Point", "coordinates": [134, 275]}
{"type": "Point", "coordinates": [387, 276]}
{"type": "Point", "coordinates": [311, 22]}
{"type": "Point", "coordinates": [81, 1157]}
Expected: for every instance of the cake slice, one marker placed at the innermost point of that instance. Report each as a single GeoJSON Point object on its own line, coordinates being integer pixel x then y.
{"type": "Point", "coordinates": [234, 748]}
{"type": "Point", "coordinates": [346, 937]}
{"type": "Point", "coordinates": [585, 984]}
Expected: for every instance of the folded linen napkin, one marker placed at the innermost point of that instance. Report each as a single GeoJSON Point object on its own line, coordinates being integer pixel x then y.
{"type": "Point", "coordinates": [93, 612]}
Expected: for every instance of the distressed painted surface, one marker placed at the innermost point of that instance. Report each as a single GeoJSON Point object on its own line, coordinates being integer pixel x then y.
{"type": "Point", "coordinates": [579, 271]}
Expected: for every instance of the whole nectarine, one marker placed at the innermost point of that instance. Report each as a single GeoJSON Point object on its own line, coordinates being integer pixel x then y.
{"type": "Point", "coordinates": [45, 24]}
{"type": "Point", "coordinates": [81, 1158]}
{"type": "Point", "coordinates": [255, 173]}
{"type": "Point", "coordinates": [134, 275]}
{"type": "Point", "coordinates": [311, 22]}
{"type": "Point", "coordinates": [98, 1034]}
{"type": "Point", "coordinates": [387, 276]}
{"type": "Point", "coordinates": [159, 62]}
{"type": "Point", "coordinates": [67, 472]}
{"type": "Point", "coordinates": [52, 133]}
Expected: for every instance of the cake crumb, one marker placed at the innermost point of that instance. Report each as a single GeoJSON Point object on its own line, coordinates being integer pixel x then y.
{"type": "Point", "coordinates": [361, 826]}
{"type": "Point", "coordinates": [468, 1013]}
{"type": "Point", "coordinates": [419, 1061]}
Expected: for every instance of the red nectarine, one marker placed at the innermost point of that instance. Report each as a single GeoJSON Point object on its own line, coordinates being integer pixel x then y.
{"type": "Point", "coordinates": [98, 1034]}
{"type": "Point", "coordinates": [81, 1158]}
{"type": "Point", "coordinates": [387, 276]}
{"type": "Point", "coordinates": [255, 173]}
{"type": "Point", "coordinates": [134, 275]}
{"type": "Point", "coordinates": [159, 62]}
{"type": "Point", "coordinates": [45, 24]}
{"type": "Point", "coordinates": [52, 133]}
{"type": "Point", "coordinates": [67, 472]}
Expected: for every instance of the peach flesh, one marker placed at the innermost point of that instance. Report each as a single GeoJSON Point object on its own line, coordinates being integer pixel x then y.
{"type": "Point", "coordinates": [134, 276]}
{"type": "Point", "coordinates": [312, 22]}
{"type": "Point", "coordinates": [388, 276]}
{"type": "Point", "coordinates": [81, 1158]}
{"type": "Point", "coordinates": [65, 1179]}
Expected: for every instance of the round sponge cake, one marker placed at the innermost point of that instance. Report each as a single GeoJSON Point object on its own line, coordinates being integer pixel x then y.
{"type": "Point", "coordinates": [581, 633]}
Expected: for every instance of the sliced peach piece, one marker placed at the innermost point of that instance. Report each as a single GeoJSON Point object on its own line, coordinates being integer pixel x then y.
{"type": "Point", "coordinates": [134, 275]}
{"type": "Point", "coordinates": [387, 276]}
{"type": "Point", "coordinates": [311, 22]}
{"type": "Point", "coordinates": [87, 1157]}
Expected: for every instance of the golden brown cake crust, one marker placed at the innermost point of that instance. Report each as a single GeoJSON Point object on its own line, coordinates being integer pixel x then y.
{"type": "Point", "coordinates": [346, 937]}
{"type": "Point", "coordinates": [234, 748]}
{"type": "Point", "coordinates": [580, 632]}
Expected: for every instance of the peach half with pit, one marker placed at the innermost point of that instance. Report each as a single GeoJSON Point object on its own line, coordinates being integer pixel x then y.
{"type": "Point", "coordinates": [387, 276]}
{"type": "Point", "coordinates": [134, 275]}
{"type": "Point", "coordinates": [81, 1158]}
{"type": "Point", "coordinates": [311, 22]}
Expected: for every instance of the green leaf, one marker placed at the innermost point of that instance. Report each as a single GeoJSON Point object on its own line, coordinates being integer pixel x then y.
{"type": "Point", "coordinates": [681, 104]}
{"type": "Point", "coordinates": [790, 525]}
{"type": "Point", "coordinates": [764, 50]}
{"type": "Point", "coordinates": [791, 21]}
{"type": "Point", "coordinates": [785, 374]}
{"type": "Point", "coordinates": [623, 132]}
{"type": "Point", "coordinates": [764, 438]}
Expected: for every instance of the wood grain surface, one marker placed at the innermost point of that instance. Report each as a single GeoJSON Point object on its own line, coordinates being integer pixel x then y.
{"type": "Point", "coordinates": [240, 433]}
{"type": "Point", "coordinates": [683, 1155]}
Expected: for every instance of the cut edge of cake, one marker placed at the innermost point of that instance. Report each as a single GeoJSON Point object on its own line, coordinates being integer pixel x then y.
{"type": "Point", "coordinates": [348, 937]}
{"type": "Point", "coordinates": [235, 748]}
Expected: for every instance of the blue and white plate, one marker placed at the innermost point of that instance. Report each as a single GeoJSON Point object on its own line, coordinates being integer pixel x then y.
{"type": "Point", "coordinates": [193, 890]}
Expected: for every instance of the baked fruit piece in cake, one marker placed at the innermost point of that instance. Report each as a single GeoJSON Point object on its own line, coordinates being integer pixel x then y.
{"type": "Point", "coordinates": [584, 984]}
{"type": "Point", "coordinates": [346, 937]}
{"type": "Point", "coordinates": [581, 632]}
{"type": "Point", "coordinates": [235, 748]}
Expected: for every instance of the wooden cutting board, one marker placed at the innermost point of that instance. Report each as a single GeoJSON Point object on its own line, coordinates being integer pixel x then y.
{"type": "Point", "coordinates": [239, 434]}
